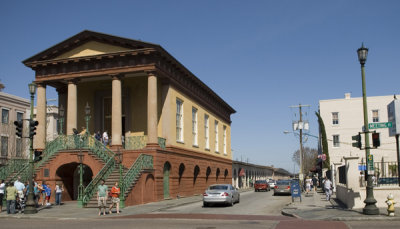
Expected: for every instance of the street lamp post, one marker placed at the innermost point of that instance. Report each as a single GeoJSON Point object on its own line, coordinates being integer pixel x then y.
{"type": "Point", "coordinates": [87, 117]}
{"type": "Point", "coordinates": [370, 207]}
{"type": "Point", "coordinates": [121, 178]}
{"type": "Point", "coordinates": [61, 111]}
{"type": "Point", "coordinates": [30, 203]}
{"type": "Point", "coordinates": [80, 187]}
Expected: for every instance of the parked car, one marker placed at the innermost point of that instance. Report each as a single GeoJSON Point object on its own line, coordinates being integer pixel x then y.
{"type": "Point", "coordinates": [282, 187]}
{"type": "Point", "coordinates": [221, 193]}
{"type": "Point", "coordinates": [261, 185]}
{"type": "Point", "coordinates": [271, 183]}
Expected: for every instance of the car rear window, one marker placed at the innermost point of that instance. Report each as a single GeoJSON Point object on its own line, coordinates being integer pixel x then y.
{"type": "Point", "coordinates": [261, 182]}
{"type": "Point", "coordinates": [218, 187]}
{"type": "Point", "coordinates": [283, 182]}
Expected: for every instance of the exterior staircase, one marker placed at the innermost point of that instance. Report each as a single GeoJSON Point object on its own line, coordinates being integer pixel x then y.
{"type": "Point", "coordinates": [110, 181]}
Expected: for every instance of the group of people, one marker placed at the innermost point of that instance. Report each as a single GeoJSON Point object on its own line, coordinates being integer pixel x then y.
{"type": "Point", "coordinates": [102, 138]}
{"type": "Point", "coordinates": [312, 183]}
{"type": "Point", "coordinates": [16, 193]}
{"type": "Point", "coordinates": [103, 194]}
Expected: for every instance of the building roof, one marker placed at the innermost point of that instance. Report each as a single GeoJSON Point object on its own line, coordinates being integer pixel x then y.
{"type": "Point", "coordinates": [13, 98]}
{"type": "Point", "coordinates": [50, 56]}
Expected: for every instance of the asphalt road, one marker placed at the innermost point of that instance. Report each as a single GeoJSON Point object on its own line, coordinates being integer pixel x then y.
{"type": "Point", "coordinates": [251, 203]}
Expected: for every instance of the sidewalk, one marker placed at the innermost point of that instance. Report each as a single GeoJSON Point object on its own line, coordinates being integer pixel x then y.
{"type": "Point", "coordinates": [70, 210]}
{"type": "Point", "coordinates": [314, 206]}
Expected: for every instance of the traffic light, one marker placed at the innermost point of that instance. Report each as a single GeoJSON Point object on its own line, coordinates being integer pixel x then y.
{"type": "Point", "coordinates": [38, 156]}
{"type": "Point", "coordinates": [32, 127]}
{"type": "Point", "coordinates": [356, 138]}
{"type": "Point", "coordinates": [376, 142]}
{"type": "Point", "coordinates": [18, 125]}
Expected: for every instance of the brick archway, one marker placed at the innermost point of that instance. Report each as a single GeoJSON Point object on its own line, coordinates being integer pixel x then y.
{"type": "Point", "coordinates": [69, 177]}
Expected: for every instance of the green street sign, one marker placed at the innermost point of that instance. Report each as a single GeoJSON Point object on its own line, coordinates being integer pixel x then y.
{"type": "Point", "coordinates": [378, 125]}
{"type": "Point", "coordinates": [370, 162]}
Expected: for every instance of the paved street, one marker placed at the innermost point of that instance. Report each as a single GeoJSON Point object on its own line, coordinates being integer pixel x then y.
{"type": "Point", "coordinates": [251, 203]}
{"type": "Point", "coordinates": [255, 210]}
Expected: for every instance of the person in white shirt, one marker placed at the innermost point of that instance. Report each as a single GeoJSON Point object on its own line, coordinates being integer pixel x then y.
{"type": "Point", "coordinates": [2, 189]}
{"type": "Point", "coordinates": [328, 188]}
{"type": "Point", "coordinates": [105, 138]}
{"type": "Point", "coordinates": [20, 187]}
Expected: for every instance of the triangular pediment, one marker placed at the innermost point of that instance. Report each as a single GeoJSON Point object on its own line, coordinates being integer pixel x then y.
{"type": "Point", "coordinates": [89, 43]}
{"type": "Point", "coordinates": [91, 48]}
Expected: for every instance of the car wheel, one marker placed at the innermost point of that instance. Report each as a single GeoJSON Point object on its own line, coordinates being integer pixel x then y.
{"type": "Point", "coordinates": [205, 204]}
{"type": "Point", "coordinates": [231, 203]}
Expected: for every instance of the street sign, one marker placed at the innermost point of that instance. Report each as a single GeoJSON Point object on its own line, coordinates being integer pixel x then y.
{"type": "Point", "coordinates": [370, 162]}
{"type": "Point", "coordinates": [394, 116]}
{"type": "Point", "coordinates": [378, 125]}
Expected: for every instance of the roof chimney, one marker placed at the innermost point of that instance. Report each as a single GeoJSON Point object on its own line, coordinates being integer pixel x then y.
{"type": "Point", "coordinates": [347, 95]}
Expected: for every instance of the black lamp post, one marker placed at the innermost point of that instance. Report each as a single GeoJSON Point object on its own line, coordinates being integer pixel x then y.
{"type": "Point", "coordinates": [80, 187]}
{"type": "Point", "coordinates": [87, 117]}
{"type": "Point", "coordinates": [30, 203]}
{"type": "Point", "coordinates": [370, 207]}
{"type": "Point", "coordinates": [119, 158]}
{"type": "Point", "coordinates": [61, 112]}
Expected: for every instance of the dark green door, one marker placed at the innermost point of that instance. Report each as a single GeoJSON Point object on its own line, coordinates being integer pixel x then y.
{"type": "Point", "coordinates": [167, 168]}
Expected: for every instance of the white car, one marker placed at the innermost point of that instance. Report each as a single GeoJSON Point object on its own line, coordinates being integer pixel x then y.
{"type": "Point", "coordinates": [221, 193]}
{"type": "Point", "coordinates": [271, 183]}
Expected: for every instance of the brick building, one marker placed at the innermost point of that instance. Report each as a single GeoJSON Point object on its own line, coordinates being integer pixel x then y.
{"type": "Point", "coordinates": [168, 130]}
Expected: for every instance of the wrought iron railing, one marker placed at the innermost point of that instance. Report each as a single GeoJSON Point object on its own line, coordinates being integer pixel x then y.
{"type": "Point", "coordinates": [144, 161]}
{"type": "Point", "coordinates": [139, 142]}
{"type": "Point", "coordinates": [13, 165]}
{"type": "Point", "coordinates": [91, 189]}
{"type": "Point", "coordinates": [385, 174]}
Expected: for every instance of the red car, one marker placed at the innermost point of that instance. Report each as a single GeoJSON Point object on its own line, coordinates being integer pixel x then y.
{"type": "Point", "coordinates": [261, 185]}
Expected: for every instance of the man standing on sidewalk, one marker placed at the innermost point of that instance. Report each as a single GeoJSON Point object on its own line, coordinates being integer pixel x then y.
{"type": "Point", "coordinates": [102, 193]}
{"type": "Point", "coordinates": [328, 188]}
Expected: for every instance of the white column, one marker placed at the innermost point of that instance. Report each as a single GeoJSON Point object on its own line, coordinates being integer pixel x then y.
{"type": "Point", "coordinates": [40, 137]}
{"type": "Point", "coordinates": [116, 117]}
{"type": "Point", "coordinates": [72, 108]}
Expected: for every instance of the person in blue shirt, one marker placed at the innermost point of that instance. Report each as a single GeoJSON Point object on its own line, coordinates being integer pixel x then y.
{"type": "Point", "coordinates": [47, 191]}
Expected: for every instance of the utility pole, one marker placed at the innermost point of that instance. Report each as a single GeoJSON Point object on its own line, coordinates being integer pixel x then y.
{"type": "Point", "coordinates": [300, 126]}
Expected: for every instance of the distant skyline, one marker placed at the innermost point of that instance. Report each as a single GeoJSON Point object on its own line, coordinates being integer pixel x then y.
{"type": "Point", "coordinates": [261, 56]}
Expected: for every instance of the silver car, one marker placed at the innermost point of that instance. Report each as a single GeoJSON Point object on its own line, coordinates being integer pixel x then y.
{"type": "Point", "coordinates": [282, 187]}
{"type": "Point", "coordinates": [221, 193]}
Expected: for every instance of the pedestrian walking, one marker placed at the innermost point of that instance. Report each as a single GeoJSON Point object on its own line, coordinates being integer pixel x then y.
{"type": "Point", "coordinates": [115, 192]}
{"type": "Point", "coordinates": [315, 183]}
{"type": "Point", "coordinates": [308, 184]}
{"type": "Point", "coordinates": [11, 196]}
{"type": "Point", "coordinates": [58, 190]}
{"type": "Point", "coordinates": [2, 191]}
{"type": "Point", "coordinates": [328, 188]}
{"type": "Point", "coordinates": [102, 193]}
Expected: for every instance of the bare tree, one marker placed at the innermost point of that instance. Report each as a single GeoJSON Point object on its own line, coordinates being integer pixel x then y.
{"type": "Point", "coordinates": [309, 158]}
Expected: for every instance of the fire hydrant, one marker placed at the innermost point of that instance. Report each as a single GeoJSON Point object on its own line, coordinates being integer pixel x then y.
{"type": "Point", "coordinates": [390, 202]}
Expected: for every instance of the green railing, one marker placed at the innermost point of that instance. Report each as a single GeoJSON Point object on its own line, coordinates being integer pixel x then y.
{"type": "Point", "coordinates": [139, 142]}
{"type": "Point", "coordinates": [144, 161]}
{"type": "Point", "coordinates": [13, 165]}
{"type": "Point", "coordinates": [91, 189]}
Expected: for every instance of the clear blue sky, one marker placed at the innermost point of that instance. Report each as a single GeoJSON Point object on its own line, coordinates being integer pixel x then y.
{"type": "Point", "coordinates": [260, 56]}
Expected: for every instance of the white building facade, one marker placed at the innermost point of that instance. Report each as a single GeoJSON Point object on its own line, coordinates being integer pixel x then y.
{"type": "Point", "coordinates": [343, 118]}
